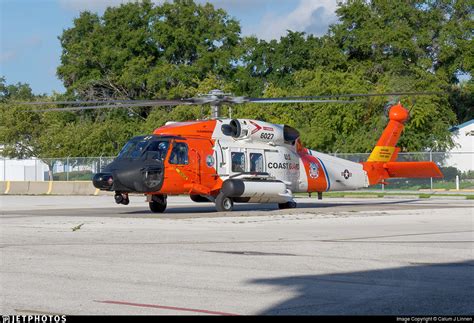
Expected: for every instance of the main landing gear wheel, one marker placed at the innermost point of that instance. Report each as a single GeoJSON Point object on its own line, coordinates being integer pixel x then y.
{"type": "Point", "coordinates": [121, 198]}
{"type": "Point", "coordinates": [287, 205]}
{"type": "Point", "coordinates": [158, 203]}
{"type": "Point", "coordinates": [224, 203]}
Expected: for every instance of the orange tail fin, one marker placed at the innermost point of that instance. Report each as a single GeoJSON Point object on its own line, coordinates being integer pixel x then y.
{"type": "Point", "coordinates": [382, 163]}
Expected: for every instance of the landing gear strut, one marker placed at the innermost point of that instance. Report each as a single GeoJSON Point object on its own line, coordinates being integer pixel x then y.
{"type": "Point", "coordinates": [121, 198]}
{"type": "Point", "coordinates": [158, 203]}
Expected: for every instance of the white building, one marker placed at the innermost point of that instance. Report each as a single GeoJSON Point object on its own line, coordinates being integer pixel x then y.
{"type": "Point", "coordinates": [462, 155]}
{"type": "Point", "coordinates": [22, 169]}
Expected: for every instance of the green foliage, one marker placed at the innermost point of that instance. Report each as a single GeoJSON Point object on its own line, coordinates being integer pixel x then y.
{"type": "Point", "coordinates": [19, 91]}
{"type": "Point", "coordinates": [144, 50]}
{"type": "Point", "coordinates": [401, 36]}
{"type": "Point", "coordinates": [139, 50]}
{"type": "Point", "coordinates": [462, 100]}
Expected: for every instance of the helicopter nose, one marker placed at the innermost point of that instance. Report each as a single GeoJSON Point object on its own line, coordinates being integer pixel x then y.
{"type": "Point", "coordinates": [131, 176]}
{"type": "Point", "coordinates": [141, 178]}
{"type": "Point", "coordinates": [103, 181]}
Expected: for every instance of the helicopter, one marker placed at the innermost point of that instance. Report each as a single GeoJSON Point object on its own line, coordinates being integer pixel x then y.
{"type": "Point", "coordinates": [228, 160]}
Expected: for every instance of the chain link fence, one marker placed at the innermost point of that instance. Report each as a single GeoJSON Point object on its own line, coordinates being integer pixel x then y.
{"type": "Point", "coordinates": [457, 168]}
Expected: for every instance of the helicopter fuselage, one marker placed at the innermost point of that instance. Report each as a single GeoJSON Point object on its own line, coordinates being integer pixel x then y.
{"type": "Point", "coordinates": [249, 160]}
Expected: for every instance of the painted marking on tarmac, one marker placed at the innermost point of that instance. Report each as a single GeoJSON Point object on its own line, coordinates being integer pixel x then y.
{"type": "Point", "coordinates": [167, 308]}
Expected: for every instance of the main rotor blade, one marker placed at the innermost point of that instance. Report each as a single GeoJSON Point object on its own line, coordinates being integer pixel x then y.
{"type": "Point", "coordinates": [227, 99]}
{"type": "Point", "coordinates": [296, 100]}
{"type": "Point", "coordinates": [81, 102]}
{"type": "Point", "coordinates": [351, 95]}
{"type": "Point", "coordinates": [107, 106]}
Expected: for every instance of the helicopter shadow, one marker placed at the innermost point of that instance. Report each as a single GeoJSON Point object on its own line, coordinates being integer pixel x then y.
{"type": "Point", "coordinates": [426, 289]}
{"type": "Point", "coordinates": [257, 208]}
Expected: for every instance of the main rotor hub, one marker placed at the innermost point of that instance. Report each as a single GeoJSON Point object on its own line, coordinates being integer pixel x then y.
{"type": "Point", "coordinates": [216, 98]}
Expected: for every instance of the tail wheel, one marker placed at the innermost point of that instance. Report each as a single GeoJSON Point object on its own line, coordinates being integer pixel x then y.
{"type": "Point", "coordinates": [158, 203]}
{"type": "Point", "coordinates": [287, 205]}
{"type": "Point", "coordinates": [224, 203]}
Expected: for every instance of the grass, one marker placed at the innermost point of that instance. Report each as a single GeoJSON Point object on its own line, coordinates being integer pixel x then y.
{"type": "Point", "coordinates": [416, 184]}
{"type": "Point", "coordinates": [381, 195]}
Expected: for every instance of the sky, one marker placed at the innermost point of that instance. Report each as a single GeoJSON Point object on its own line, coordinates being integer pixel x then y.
{"type": "Point", "coordinates": [29, 30]}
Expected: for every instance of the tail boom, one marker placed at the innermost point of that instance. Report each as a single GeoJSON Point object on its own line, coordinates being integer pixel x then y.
{"type": "Point", "coordinates": [379, 171]}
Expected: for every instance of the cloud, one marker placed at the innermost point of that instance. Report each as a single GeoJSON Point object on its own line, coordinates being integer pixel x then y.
{"type": "Point", "coordinates": [91, 5]}
{"type": "Point", "coordinates": [24, 46]}
{"type": "Point", "coordinates": [99, 5]}
{"type": "Point", "coordinates": [245, 5]}
{"type": "Point", "coordinates": [9, 55]}
{"type": "Point", "coordinates": [310, 16]}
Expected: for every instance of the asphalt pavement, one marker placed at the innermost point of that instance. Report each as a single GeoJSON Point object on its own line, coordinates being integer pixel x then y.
{"type": "Point", "coordinates": [86, 255]}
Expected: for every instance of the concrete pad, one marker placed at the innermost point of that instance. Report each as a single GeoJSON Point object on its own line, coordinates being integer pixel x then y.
{"type": "Point", "coordinates": [361, 196]}
{"type": "Point", "coordinates": [336, 256]}
{"type": "Point", "coordinates": [390, 196]}
{"type": "Point", "coordinates": [450, 197]}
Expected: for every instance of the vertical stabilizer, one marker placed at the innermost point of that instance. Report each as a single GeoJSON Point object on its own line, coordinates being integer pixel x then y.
{"type": "Point", "coordinates": [382, 163]}
{"type": "Point", "coordinates": [385, 148]}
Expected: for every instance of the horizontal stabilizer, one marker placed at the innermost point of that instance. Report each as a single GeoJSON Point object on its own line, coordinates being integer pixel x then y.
{"type": "Point", "coordinates": [413, 169]}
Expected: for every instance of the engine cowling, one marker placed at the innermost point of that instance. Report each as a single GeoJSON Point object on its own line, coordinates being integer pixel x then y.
{"type": "Point", "coordinates": [260, 131]}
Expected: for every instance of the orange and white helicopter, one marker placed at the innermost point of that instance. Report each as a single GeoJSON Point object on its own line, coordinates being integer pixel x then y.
{"type": "Point", "coordinates": [227, 161]}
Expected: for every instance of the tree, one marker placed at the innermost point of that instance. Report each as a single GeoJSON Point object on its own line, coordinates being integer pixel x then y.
{"type": "Point", "coordinates": [19, 91]}
{"type": "Point", "coordinates": [276, 61]}
{"type": "Point", "coordinates": [462, 100]}
{"type": "Point", "coordinates": [143, 50]}
{"type": "Point", "coordinates": [139, 50]}
{"type": "Point", "coordinates": [403, 36]}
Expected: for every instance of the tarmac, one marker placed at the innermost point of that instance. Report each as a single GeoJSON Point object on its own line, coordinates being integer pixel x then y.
{"type": "Point", "coordinates": [87, 255]}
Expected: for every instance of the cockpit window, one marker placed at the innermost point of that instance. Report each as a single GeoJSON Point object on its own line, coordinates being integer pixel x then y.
{"type": "Point", "coordinates": [137, 146]}
{"type": "Point", "coordinates": [158, 149]}
{"type": "Point", "coordinates": [126, 149]}
{"type": "Point", "coordinates": [179, 154]}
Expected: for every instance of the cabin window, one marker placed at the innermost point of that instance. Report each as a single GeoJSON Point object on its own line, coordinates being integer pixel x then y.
{"type": "Point", "coordinates": [256, 162]}
{"type": "Point", "coordinates": [179, 154]}
{"type": "Point", "coordinates": [238, 162]}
